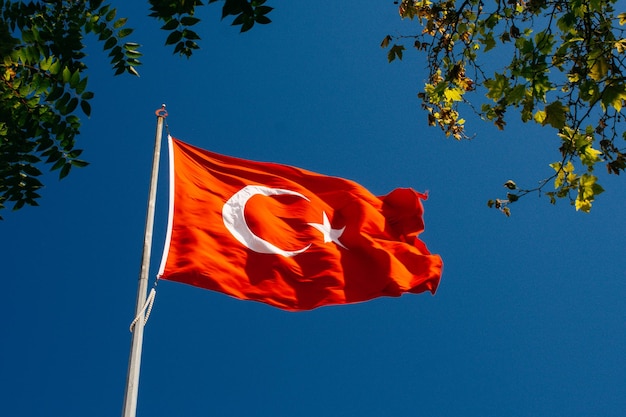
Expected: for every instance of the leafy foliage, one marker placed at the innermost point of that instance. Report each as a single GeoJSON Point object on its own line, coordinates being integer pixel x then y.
{"type": "Point", "coordinates": [178, 17]}
{"type": "Point", "coordinates": [246, 13]}
{"type": "Point", "coordinates": [42, 86]}
{"type": "Point", "coordinates": [564, 70]}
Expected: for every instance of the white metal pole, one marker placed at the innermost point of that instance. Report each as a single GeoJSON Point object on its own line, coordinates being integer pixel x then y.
{"type": "Point", "coordinates": [134, 360]}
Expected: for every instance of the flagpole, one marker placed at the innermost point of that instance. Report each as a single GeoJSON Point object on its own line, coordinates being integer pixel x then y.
{"type": "Point", "coordinates": [134, 361]}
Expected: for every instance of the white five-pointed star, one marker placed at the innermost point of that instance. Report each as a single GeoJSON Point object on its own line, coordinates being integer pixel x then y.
{"type": "Point", "coordinates": [330, 234]}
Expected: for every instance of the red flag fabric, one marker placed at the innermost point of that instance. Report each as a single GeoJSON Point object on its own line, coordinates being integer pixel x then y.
{"type": "Point", "coordinates": [288, 237]}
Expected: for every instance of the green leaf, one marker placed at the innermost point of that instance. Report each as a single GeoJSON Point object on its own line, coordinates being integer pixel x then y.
{"type": "Point", "coordinates": [79, 163]}
{"type": "Point", "coordinates": [240, 19]}
{"type": "Point", "coordinates": [81, 86]}
{"type": "Point", "coordinates": [262, 10]}
{"type": "Point", "coordinates": [65, 170]}
{"type": "Point", "coordinates": [124, 32]}
{"type": "Point", "coordinates": [497, 87]}
{"type": "Point", "coordinates": [247, 25]}
{"type": "Point", "coordinates": [131, 46]}
{"type": "Point", "coordinates": [262, 20]}
{"type": "Point", "coordinates": [55, 67]}
{"type": "Point", "coordinates": [116, 54]}
{"type": "Point", "coordinates": [105, 34]}
{"type": "Point", "coordinates": [189, 34]}
{"type": "Point", "coordinates": [74, 153]}
{"type": "Point", "coordinates": [75, 79]}
{"type": "Point", "coordinates": [174, 37]}
{"type": "Point", "coordinates": [170, 25]}
{"type": "Point", "coordinates": [62, 103]}
{"type": "Point", "coordinates": [119, 68]}
{"type": "Point", "coordinates": [516, 94]}
{"type": "Point", "coordinates": [58, 164]}
{"type": "Point", "coordinates": [488, 41]}
{"type": "Point", "coordinates": [110, 43]}
{"type": "Point", "coordinates": [66, 74]}
{"type": "Point", "coordinates": [555, 115]}
{"type": "Point", "coordinates": [395, 52]}
{"type": "Point", "coordinates": [45, 63]}
{"type": "Point", "coordinates": [31, 170]}
{"type": "Point", "coordinates": [103, 11]}
{"type": "Point", "coordinates": [119, 23]}
{"type": "Point", "coordinates": [71, 106]}
{"type": "Point", "coordinates": [133, 54]}
{"type": "Point", "coordinates": [544, 41]}
{"type": "Point", "coordinates": [55, 93]}
{"type": "Point", "coordinates": [614, 95]}
{"type": "Point", "coordinates": [189, 21]}
{"type": "Point", "coordinates": [179, 48]}
{"type": "Point", "coordinates": [110, 15]}
{"type": "Point", "coordinates": [19, 204]}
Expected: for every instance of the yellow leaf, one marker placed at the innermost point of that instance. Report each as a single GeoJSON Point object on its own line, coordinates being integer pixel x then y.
{"type": "Point", "coordinates": [622, 18]}
{"type": "Point", "coordinates": [590, 156]}
{"type": "Point", "coordinates": [573, 78]}
{"type": "Point", "coordinates": [620, 45]}
{"type": "Point", "coordinates": [453, 94]}
{"type": "Point", "coordinates": [618, 105]}
{"type": "Point", "coordinates": [617, 102]}
{"type": "Point", "coordinates": [571, 177]}
{"type": "Point", "coordinates": [559, 180]}
{"type": "Point", "coordinates": [583, 205]}
{"type": "Point", "coordinates": [540, 116]}
{"type": "Point", "coordinates": [599, 68]}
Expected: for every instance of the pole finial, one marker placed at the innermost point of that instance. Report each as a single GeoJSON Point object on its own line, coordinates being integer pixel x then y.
{"type": "Point", "coordinates": [161, 112]}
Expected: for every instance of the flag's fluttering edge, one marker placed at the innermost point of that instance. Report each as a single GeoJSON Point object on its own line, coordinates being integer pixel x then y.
{"type": "Point", "coordinates": [288, 237]}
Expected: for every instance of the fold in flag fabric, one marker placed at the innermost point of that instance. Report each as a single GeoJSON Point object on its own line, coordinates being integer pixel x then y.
{"type": "Point", "coordinates": [288, 237]}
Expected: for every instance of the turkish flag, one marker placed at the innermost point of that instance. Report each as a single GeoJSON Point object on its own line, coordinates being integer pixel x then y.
{"type": "Point", "coordinates": [288, 237]}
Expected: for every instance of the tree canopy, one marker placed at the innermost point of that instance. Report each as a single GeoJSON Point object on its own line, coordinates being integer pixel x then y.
{"type": "Point", "coordinates": [557, 63]}
{"type": "Point", "coordinates": [563, 68]}
{"type": "Point", "coordinates": [43, 81]}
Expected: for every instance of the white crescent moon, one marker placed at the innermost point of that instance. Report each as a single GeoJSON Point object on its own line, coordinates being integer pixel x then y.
{"type": "Point", "coordinates": [235, 221]}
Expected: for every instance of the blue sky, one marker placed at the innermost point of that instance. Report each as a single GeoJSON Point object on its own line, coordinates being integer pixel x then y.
{"type": "Point", "coordinates": [529, 318]}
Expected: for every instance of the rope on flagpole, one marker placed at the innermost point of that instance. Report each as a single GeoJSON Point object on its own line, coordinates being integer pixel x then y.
{"type": "Point", "coordinates": [147, 308]}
